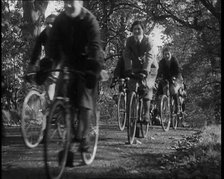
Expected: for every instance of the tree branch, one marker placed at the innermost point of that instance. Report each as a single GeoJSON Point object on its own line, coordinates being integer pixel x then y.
{"type": "Point", "coordinates": [211, 8]}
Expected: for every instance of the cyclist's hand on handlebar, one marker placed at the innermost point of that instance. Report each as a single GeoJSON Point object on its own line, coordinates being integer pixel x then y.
{"type": "Point", "coordinates": [128, 73]}
{"type": "Point", "coordinates": [144, 73]}
{"type": "Point", "coordinates": [174, 78]}
{"type": "Point", "coordinates": [30, 73]}
{"type": "Point", "coordinates": [32, 69]}
{"type": "Point", "coordinates": [113, 83]}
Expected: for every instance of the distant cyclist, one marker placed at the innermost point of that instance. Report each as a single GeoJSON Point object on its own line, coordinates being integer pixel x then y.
{"type": "Point", "coordinates": [139, 57]}
{"type": "Point", "coordinates": [38, 64]}
{"type": "Point", "coordinates": [169, 71]}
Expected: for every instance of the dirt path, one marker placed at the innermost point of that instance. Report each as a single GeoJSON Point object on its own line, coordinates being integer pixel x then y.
{"type": "Point", "coordinates": [115, 158]}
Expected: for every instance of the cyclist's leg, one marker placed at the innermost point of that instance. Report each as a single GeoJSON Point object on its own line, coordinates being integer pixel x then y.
{"type": "Point", "coordinates": [86, 110]}
{"type": "Point", "coordinates": [174, 95]}
{"type": "Point", "coordinates": [150, 82]}
{"type": "Point", "coordinates": [131, 84]}
{"type": "Point", "coordinates": [146, 104]}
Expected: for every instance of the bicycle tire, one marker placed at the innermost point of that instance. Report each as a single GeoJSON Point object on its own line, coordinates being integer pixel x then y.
{"type": "Point", "coordinates": [121, 111]}
{"type": "Point", "coordinates": [56, 146]}
{"type": "Point", "coordinates": [33, 118]}
{"type": "Point", "coordinates": [165, 113]}
{"type": "Point", "coordinates": [93, 136]}
{"type": "Point", "coordinates": [132, 117]}
{"type": "Point", "coordinates": [144, 126]}
{"type": "Point", "coordinates": [181, 116]}
{"type": "Point", "coordinates": [174, 117]}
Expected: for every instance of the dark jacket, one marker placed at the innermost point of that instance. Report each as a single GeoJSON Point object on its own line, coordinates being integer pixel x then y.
{"type": "Point", "coordinates": [41, 40]}
{"type": "Point", "coordinates": [170, 69]}
{"type": "Point", "coordinates": [133, 51]}
{"type": "Point", "coordinates": [72, 40]}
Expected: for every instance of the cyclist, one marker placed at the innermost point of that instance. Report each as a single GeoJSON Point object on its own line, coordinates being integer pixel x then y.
{"type": "Point", "coordinates": [169, 71]}
{"type": "Point", "coordinates": [35, 62]}
{"type": "Point", "coordinates": [139, 56]}
{"type": "Point", "coordinates": [75, 42]}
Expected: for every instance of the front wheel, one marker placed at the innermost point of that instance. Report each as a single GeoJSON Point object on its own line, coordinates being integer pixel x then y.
{"type": "Point", "coordinates": [57, 142]}
{"type": "Point", "coordinates": [144, 126]}
{"type": "Point", "coordinates": [33, 118]}
{"type": "Point", "coordinates": [132, 117]}
{"type": "Point", "coordinates": [165, 113]}
{"type": "Point", "coordinates": [92, 137]}
{"type": "Point", "coordinates": [121, 111]}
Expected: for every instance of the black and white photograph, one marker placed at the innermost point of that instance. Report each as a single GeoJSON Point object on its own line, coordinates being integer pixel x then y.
{"type": "Point", "coordinates": [97, 89]}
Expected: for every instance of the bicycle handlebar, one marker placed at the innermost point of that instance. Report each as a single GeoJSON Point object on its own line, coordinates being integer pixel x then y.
{"type": "Point", "coordinates": [64, 70]}
{"type": "Point", "coordinates": [138, 75]}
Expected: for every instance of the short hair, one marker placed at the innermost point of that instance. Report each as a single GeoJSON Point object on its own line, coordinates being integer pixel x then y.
{"type": "Point", "coordinates": [137, 22]}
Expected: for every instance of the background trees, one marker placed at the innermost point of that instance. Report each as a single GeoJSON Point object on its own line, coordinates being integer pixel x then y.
{"type": "Point", "coordinates": [190, 27]}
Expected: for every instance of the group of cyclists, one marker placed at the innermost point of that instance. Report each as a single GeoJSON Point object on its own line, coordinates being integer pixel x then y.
{"type": "Point", "coordinates": [139, 57]}
{"type": "Point", "coordinates": [73, 39]}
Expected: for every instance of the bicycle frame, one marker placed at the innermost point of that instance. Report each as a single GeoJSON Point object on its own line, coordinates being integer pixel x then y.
{"type": "Point", "coordinates": [135, 111]}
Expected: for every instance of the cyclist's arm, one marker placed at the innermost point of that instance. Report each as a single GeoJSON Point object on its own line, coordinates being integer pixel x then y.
{"type": "Point", "coordinates": [94, 49]}
{"type": "Point", "coordinates": [36, 53]}
{"type": "Point", "coordinates": [149, 55]}
{"type": "Point", "coordinates": [160, 70]}
{"type": "Point", "coordinates": [128, 55]}
{"type": "Point", "coordinates": [52, 47]}
{"type": "Point", "coordinates": [176, 68]}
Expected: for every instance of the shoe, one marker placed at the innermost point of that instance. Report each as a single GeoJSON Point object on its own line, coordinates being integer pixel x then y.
{"type": "Point", "coordinates": [84, 146]}
{"type": "Point", "coordinates": [146, 119]}
{"type": "Point", "coordinates": [69, 161]}
{"type": "Point", "coordinates": [76, 140]}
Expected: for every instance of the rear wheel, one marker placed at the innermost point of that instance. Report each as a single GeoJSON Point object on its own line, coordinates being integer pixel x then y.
{"type": "Point", "coordinates": [165, 113]}
{"type": "Point", "coordinates": [33, 118]}
{"type": "Point", "coordinates": [121, 111]}
{"type": "Point", "coordinates": [181, 116]}
{"type": "Point", "coordinates": [174, 116]}
{"type": "Point", "coordinates": [92, 137]}
{"type": "Point", "coordinates": [132, 117]}
{"type": "Point", "coordinates": [57, 142]}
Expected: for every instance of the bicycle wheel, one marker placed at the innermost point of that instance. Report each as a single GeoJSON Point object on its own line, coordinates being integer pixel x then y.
{"type": "Point", "coordinates": [174, 117]}
{"type": "Point", "coordinates": [132, 117]}
{"type": "Point", "coordinates": [57, 142]}
{"type": "Point", "coordinates": [144, 126]}
{"type": "Point", "coordinates": [165, 113]}
{"type": "Point", "coordinates": [92, 137]}
{"type": "Point", "coordinates": [121, 111]}
{"type": "Point", "coordinates": [33, 118]}
{"type": "Point", "coordinates": [181, 116]}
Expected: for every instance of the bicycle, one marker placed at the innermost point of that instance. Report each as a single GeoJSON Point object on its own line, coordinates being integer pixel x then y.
{"type": "Point", "coordinates": [181, 115]}
{"type": "Point", "coordinates": [122, 102]}
{"type": "Point", "coordinates": [167, 107]}
{"type": "Point", "coordinates": [34, 113]}
{"type": "Point", "coordinates": [153, 111]}
{"type": "Point", "coordinates": [135, 109]}
{"type": "Point", "coordinates": [55, 147]}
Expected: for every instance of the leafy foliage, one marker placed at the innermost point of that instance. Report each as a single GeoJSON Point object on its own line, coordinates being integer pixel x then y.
{"type": "Point", "coordinates": [198, 155]}
{"type": "Point", "coordinates": [192, 29]}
